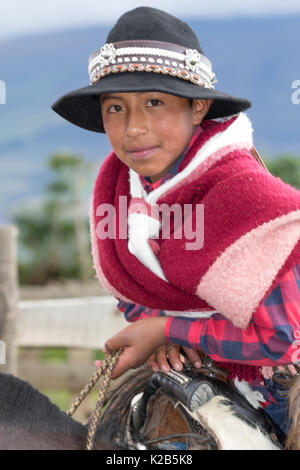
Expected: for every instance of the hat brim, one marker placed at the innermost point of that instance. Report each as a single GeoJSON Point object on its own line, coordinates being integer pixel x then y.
{"type": "Point", "coordinates": [82, 107]}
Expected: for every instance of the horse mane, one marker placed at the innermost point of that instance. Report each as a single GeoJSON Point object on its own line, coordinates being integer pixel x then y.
{"type": "Point", "coordinates": [28, 420]}
{"type": "Point", "coordinates": [23, 406]}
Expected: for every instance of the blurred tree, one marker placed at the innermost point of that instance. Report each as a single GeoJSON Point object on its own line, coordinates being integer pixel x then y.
{"type": "Point", "coordinates": [65, 191]}
{"type": "Point", "coordinates": [287, 167]}
{"type": "Point", "coordinates": [55, 238]}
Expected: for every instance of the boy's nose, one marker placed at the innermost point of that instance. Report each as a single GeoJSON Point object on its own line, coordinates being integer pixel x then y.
{"type": "Point", "coordinates": [136, 125]}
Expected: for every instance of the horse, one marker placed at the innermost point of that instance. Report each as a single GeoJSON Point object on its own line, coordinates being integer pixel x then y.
{"type": "Point", "coordinates": [193, 410]}
{"type": "Point", "coordinates": [29, 421]}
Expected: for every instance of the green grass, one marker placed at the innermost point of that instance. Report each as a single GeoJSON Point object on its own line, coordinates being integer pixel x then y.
{"type": "Point", "coordinates": [61, 398]}
{"type": "Point", "coordinates": [54, 355]}
{"type": "Point", "coordinates": [99, 355]}
{"type": "Point", "coordinates": [60, 355]}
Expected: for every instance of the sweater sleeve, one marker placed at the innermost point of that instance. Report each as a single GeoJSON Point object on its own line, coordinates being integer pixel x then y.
{"type": "Point", "coordinates": [134, 312]}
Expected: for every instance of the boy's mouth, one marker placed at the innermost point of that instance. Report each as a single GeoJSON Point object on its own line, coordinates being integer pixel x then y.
{"type": "Point", "coordinates": [142, 152]}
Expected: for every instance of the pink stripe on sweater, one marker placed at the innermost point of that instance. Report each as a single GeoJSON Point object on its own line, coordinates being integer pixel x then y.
{"type": "Point", "coordinates": [251, 265]}
{"type": "Point", "coordinates": [211, 160]}
{"type": "Point", "coordinates": [96, 257]}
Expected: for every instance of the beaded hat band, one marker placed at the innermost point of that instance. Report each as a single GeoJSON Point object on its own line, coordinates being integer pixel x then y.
{"type": "Point", "coordinates": [151, 56]}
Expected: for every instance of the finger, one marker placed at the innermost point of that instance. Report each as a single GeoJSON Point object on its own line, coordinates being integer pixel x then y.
{"type": "Point", "coordinates": [118, 370]}
{"type": "Point", "coordinates": [292, 369]}
{"type": "Point", "coordinates": [98, 364]}
{"type": "Point", "coordinates": [174, 356]}
{"type": "Point", "coordinates": [267, 372]}
{"type": "Point", "coordinates": [152, 363]}
{"type": "Point", "coordinates": [264, 373]}
{"type": "Point", "coordinates": [125, 362]}
{"type": "Point", "coordinates": [161, 358]}
{"type": "Point", "coordinates": [116, 342]}
{"type": "Point", "coordinates": [111, 345]}
{"type": "Point", "coordinates": [121, 367]}
{"type": "Point", "coordinates": [194, 357]}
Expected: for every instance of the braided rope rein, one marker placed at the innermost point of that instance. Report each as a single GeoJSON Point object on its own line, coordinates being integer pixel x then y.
{"type": "Point", "coordinates": [108, 366]}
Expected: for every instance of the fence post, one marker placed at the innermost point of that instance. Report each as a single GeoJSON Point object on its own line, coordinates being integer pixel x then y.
{"type": "Point", "coordinates": [8, 297]}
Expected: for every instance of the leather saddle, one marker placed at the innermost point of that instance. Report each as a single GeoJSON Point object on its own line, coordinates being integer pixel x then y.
{"type": "Point", "coordinates": [192, 388]}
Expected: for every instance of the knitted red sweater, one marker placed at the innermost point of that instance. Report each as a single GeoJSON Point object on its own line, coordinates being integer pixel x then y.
{"type": "Point", "coordinates": [251, 229]}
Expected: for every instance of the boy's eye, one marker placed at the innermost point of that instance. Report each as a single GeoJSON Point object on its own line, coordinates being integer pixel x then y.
{"type": "Point", "coordinates": [154, 102]}
{"type": "Point", "coordinates": [115, 108]}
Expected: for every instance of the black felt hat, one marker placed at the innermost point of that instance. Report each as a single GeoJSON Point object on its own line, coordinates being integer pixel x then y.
{"type": "Point", "coordinates": [147, 50]}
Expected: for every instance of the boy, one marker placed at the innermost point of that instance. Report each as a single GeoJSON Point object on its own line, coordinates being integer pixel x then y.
{"type": "Point", "coordinates": [179, 143]}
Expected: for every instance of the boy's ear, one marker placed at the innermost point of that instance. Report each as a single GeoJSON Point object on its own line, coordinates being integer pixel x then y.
{"type": "Point", "coordinates": [200, 109]}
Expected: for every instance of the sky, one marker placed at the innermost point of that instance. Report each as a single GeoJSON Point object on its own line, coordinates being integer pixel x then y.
{"type": "Point", "coordinates": [24, 17]}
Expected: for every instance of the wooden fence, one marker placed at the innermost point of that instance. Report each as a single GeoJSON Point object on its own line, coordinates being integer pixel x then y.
{"type": "Point", "coordinates": [8, 295]}
{"type": "Point", "coordinates": [82, 325]}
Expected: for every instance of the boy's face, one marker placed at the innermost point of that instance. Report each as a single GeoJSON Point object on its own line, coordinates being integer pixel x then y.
{"type": "Point", "coordinates": [149, 131]}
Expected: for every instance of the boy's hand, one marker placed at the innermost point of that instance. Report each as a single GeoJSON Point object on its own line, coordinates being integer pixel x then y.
{"type": "Point", "coordinates": [158, 360]}
{"type": "Point", "coordinates": [138, 340]}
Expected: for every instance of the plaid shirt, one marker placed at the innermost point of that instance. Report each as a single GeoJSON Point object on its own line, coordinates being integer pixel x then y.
{"type": "Point", "coordinates": [272, 337]}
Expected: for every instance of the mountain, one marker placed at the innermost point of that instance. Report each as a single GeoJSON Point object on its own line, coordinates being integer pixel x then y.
{"type": "Point", "coordinates": [256, 58]}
